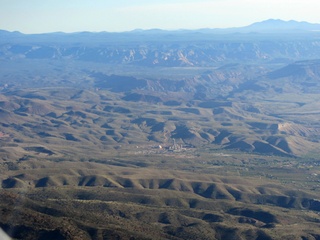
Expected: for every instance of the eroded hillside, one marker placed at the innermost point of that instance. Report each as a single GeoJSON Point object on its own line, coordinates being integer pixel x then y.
{"type": "Point", "coordinates": [172, 137]}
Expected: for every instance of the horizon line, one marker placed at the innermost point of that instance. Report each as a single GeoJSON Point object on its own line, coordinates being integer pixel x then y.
{"type": "Point", "coordinates": [158, 29]}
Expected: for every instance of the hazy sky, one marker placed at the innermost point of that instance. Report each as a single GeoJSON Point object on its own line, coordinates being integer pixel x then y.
{"type": "Point", "coordinates": [36, 16]}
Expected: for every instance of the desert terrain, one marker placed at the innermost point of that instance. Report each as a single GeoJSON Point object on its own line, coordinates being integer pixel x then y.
{"type": "Point", "coordinates": [160, 135]}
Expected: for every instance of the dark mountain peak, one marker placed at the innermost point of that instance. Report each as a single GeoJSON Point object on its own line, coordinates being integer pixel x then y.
{"type": "Point", "coordinates": [273, 22]}
{"type": "Point", "coordinates": [280, 25]}
{"type": "Point", "coordinates": [2, 32]}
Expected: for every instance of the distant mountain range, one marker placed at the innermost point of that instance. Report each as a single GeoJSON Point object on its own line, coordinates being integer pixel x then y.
{"type": "Point", "coordinates": [268, 41]}
{"type": "Point", "coordinates": [267, 26]}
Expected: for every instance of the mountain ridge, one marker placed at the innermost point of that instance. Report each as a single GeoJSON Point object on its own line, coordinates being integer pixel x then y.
{"type": "Point", "coordinates": [269, 24]}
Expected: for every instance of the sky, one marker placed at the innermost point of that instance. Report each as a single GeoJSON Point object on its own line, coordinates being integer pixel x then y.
{"type": "Point", "coordinates": [42, 16]}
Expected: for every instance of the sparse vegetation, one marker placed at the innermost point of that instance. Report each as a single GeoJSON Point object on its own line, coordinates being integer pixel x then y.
{"type": "Point", "coordinates": [198, 148]}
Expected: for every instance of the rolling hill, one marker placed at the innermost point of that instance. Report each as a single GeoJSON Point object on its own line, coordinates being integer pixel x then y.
{"type": "Point", "coordinates": [207, 134]}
